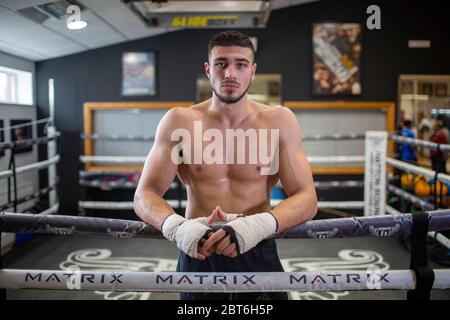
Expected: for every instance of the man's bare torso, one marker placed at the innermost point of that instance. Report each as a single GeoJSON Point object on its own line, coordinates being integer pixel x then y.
{"type": "Point", "coordinates": [235, 187]}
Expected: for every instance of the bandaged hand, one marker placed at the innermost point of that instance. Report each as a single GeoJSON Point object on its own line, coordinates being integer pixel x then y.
{"type": "Point", "coordinates": [240, 233]}
{"type": "Point", "coordinates": [248, 231]}
{"type": "Point", "coordinates": [221, 242]}
{"type": "Point", "coordinates": [186, 233]}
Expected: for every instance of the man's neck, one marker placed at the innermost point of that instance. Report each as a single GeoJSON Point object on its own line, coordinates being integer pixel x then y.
{"type": "Point", "coordinates": [230, 114]}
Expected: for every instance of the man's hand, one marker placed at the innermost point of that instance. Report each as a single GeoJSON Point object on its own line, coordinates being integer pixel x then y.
{"type": "Point", "coordinates": [186, 233]}
{"type": "Point", "coordinates": [247, 232]}
{"type": "Point", "coordinates": [220, 242]}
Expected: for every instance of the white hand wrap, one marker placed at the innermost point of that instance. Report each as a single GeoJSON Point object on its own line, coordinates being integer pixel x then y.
{"type": "Point", "coordinates": [250, 230]}
{"type": "Point", "coordinates": [185, 232]}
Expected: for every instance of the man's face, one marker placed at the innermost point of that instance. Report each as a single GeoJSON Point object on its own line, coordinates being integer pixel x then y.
{"type": "Point", "coordinates": [230, 71]}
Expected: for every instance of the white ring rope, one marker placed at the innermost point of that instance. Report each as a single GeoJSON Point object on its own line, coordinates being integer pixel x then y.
{"type": "Point", "coordinates": [53, 209]}
{"type": "Point", "coordinates": [95, 173]}
{"type": "Point", "coordinates": [118, 137]}
{"type": "Point", "coordinates": [141, 160]}
{"type": "Point", "coordinates": [422, 143]}
{"type": "Point", "coordinates": [123, 205]}
{"type": "Point", "coordinates": [334, 136]}
{"type": "Point", "coordinates": [112, 159]}
{"type": "Point", "coordinates": [32, 123]}
{"type": "Point", "coordinates": [410, 197]}
{"type": "Point", "coordinates": [439, 237]}
{"type": "Point", "coordinates": [317, 281]}
{"type": "Point", "coordinates": [308, 137]}
{"type": "Point", "coordinates": [417, 170]}
{"type": "Point", "coordinates": [128, 205]}
{"type": "Point", "coordinates": [336, 159]}
{"type": "Point", "coordinates": [28, 167]}
{"type": "Point", "coordinates": [339, 184]}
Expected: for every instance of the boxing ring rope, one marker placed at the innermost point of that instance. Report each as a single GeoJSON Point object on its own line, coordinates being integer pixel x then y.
{"type": "Point", "coordinates": [27, 142]}
{"type": "Point", "coordinates": [410, 197]}
{"type": "Point", "coordinates": [329, 204]}
{"type": "Point", "coordinates": [29, 167]}
{"type": "Point", "coordinates": [417, 170]}
{"type": "Point", "coordinates": [107, 185]}
{"type": "Point", "coordinates": [336, 184]}
{"type": "Point", "coordinates": [309, 137]}
{"type": "Point", "coordinates": [26, 124]}
{"type": "Point", "coordinates": [432, 234]}
{"type": "Point", "coordinates": [38, 194]}
{"type": "Point", "coordinates": [128, 205]}
{"type": "Point", "coordinates": [95, 173]}
{"type": "Point", "coordinates": [375, 226]}
{"type": "Point", "coordinates": [422, 143]}
{"type": "Point", "coordinates": [112, 159]}
{"type": "Point", "coordinates": [334, 136]}
{"type": "Point", "coordinates": [141, 160]}
{"type": "Point", "coordinates": [53, 209]}
{"type": "Point", "coordinates": [335, 159]}
{"type": "Point", "coordinates": [173, 185]}
{"type": "Point", "coordinates": [317, 281]}
{"type": "Point", "coordinates": [117, 137]}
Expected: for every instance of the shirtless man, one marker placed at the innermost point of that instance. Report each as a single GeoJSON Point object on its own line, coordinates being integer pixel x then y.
{"type": "Point", "coordinates": [237, 195]}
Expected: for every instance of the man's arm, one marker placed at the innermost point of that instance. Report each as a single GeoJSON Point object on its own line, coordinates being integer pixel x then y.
{"type": "Point", "coordinates": [157, 175]}
{"type": "Point", "coordinates": [295, 175]}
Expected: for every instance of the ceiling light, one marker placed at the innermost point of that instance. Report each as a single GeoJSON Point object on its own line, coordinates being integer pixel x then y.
{"type": "Point", "coordinates": [76, 25]}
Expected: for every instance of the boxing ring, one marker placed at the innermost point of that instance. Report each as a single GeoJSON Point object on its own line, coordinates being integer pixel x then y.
{"type": "Point", "coordinates": [419, 280]}
{"type": "Point", "coordinates": [373, 279]}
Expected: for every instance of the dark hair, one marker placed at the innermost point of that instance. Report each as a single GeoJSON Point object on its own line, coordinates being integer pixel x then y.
{"type": "Point", "coordinates": [230, 38]}
{"type": "Point", "coordinates": [442, 117]}
{"type": "Point", "coordinates": [407, 123]}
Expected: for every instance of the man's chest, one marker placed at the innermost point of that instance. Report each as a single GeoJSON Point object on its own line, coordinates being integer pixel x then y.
{"type": "Point", "coordinates": [232, 152]}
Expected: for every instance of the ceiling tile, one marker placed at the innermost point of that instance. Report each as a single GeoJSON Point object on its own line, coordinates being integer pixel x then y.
{"type": "Point", "coordinates": [21, 4]}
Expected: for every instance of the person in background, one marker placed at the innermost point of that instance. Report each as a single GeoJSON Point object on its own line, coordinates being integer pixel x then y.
{"type": "Point", "coordinates": [440, 135]}
{"type": "Point", "coordinates": [408, 152]}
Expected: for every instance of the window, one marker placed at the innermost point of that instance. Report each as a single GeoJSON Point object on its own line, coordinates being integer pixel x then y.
{"type": "Point", "coordinates": [16, 86]}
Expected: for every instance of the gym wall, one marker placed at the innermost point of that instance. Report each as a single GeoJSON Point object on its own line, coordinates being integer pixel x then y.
{"type": "Point", "coordinates": [283, 47]}
{"type": "Point", "coordinates": [27, 183]}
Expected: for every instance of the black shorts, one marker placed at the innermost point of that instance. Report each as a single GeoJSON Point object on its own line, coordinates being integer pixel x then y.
{"type": "Point", "coordinates": [262, 258]}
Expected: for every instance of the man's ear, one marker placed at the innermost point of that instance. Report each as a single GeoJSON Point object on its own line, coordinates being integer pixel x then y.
{"type": "Point", "coordinates": [253, 70]}
{"type": "Point", "coordinates": [207, 69]}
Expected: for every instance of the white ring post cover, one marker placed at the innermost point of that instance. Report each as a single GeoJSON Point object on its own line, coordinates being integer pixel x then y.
{"type": "Point", "coordinates": [375, 173]}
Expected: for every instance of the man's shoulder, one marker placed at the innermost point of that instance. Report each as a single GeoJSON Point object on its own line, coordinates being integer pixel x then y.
{"type": "Point", "coordinates": [277, 114]}
{"type": "Point", "coordinates": [177, 113]}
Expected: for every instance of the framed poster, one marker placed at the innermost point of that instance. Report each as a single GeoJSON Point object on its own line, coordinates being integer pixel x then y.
{"type": "Point", "coordinates": [138, 74]}
{"type": "Point", "coordinates": [440, 89]}
{"type": "Point", "coordinates": [426, 88]}
{"type": "Point", "coordinates": [273, 87]}
{"type": "Point", "coordinates": [21, 133]}
{"type": "Point", "coordinates": [2, 137]}
{"type": "Point", "coordinates": [407, 87]}
{"type": "Point", "coordinates": [336, 60]}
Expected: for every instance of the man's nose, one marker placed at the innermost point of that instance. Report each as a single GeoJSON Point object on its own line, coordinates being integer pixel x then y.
{"type": "Point", "coordinates": [230, 72]}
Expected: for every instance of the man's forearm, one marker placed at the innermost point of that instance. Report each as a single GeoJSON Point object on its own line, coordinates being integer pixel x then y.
{"type": "Point", "coordinates": [151, 208]}
{"type": "Point", "coordinates": [295, 210]}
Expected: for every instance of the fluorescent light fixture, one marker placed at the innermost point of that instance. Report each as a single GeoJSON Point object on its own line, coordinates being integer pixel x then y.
{"type": "Point", "coordinates": [76, 25]}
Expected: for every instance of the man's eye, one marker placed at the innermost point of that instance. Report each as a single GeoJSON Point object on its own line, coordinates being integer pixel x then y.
{"type": "Point", "coordinates": [220, 64]}
{"type": "Point", "coordinates": [242, 65]}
